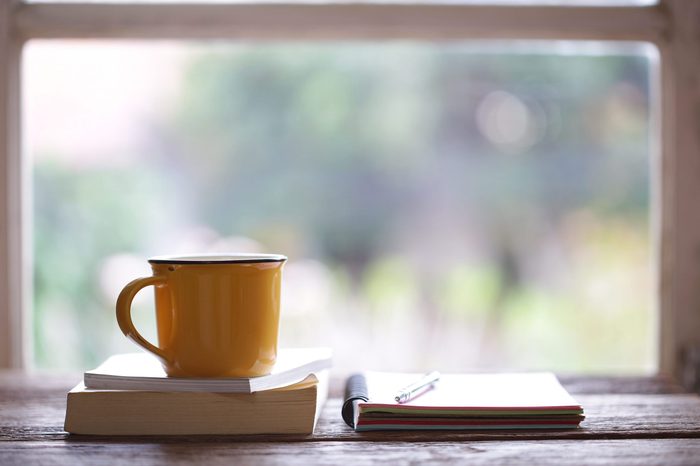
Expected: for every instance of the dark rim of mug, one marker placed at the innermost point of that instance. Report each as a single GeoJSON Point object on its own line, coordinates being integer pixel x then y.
{"type": "Point", "coordinates": [218, 259]}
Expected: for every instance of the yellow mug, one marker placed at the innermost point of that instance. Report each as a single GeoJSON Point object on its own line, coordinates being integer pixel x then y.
{"type": "Point", "coordinates": [216, 315]}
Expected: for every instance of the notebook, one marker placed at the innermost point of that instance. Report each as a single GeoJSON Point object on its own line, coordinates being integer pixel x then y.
{"type": "Point", "coordinates": [142, 371]}
{"type": "Point", "coordinates": [289, 410]}
{"type": "Point", "coordinates": [461, 401]}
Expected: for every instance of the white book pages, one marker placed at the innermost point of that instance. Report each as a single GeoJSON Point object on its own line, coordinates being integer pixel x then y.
{"type": "Point", "coordinates": [142, 371]}
{"type": "Point", "coordinates": [465, 391]}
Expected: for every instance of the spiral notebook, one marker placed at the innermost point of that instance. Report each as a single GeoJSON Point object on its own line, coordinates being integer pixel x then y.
{"type": "Point", "coordinates": [461, 402]}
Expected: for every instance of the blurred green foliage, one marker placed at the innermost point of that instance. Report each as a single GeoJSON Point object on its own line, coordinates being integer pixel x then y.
{"type": "Point", "coordinates": [372, 160]}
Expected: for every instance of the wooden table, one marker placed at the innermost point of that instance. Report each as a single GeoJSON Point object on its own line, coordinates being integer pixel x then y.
{"type": "Point", "coordinates": [629, 421]}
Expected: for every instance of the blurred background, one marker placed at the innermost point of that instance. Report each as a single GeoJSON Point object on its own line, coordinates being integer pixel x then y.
{"type": "Point", "coordinates": [451, 206]}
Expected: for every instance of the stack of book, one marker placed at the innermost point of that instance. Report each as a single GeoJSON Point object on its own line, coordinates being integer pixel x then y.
{"type": "Point", "coordinates": [130, 394]}
{"type": "Point", "coordinates": [461, 402]}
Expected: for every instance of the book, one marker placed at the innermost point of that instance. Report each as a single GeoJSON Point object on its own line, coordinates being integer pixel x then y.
{"type": "Point", "coordinates": [288, 410]}
{"type": "Point", "coordinates": [142, 371]}
{"type": "Point", "coordinates": [461, 401]}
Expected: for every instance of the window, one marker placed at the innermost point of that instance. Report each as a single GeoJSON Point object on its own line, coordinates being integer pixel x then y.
{"type": "Point", "coordinates": [426, 23]}
{"type": "Point", "coordinates": [469, 201]}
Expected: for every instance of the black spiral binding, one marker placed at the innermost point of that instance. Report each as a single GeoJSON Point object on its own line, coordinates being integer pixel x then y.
{"type": "Point", "coordinates": [355, 390]}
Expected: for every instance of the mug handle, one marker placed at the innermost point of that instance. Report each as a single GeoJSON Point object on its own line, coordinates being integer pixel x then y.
{"type": "Point", "coordinates": [124, 313]}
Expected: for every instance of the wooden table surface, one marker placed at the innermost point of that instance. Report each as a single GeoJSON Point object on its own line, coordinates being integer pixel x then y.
{"type": "Point", "coordinates": [628, 421]}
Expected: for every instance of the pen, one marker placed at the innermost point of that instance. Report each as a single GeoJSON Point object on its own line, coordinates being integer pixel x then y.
{"type": "Point", "coordinates": [420, 385]}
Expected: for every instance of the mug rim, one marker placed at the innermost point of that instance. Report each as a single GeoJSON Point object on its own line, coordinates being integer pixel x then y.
{"type": "Point", "coordinates": [222, 258]}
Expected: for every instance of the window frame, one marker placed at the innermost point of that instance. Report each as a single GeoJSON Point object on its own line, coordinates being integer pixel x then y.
{"type": "Point", "coordinates": [673, 26]}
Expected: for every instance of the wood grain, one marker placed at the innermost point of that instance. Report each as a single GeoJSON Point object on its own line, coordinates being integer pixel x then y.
{"type": "Point", "coordinates": [679, 172]}
{"type": "Point", "coordinates": [629, 421]}
{"type": "Point", "coordinates": [13, 286]}
{"type": "Point", "coordinates": [668, 452]}
{"type": "Point", "coordinates": [31, 414]}
{"type": "Point", "coordinates": [294, 20]}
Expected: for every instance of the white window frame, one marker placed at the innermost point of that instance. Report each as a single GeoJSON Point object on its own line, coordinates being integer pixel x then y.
{"type": "Point", "coordinates": [673, 26]}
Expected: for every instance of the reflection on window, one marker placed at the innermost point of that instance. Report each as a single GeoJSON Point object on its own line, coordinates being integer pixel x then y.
{"type": "Point", "coordinates": [448, 206]}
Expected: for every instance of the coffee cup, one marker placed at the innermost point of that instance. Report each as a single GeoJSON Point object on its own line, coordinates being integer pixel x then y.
{"type": "Point", "coordinates": [217, 315]}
